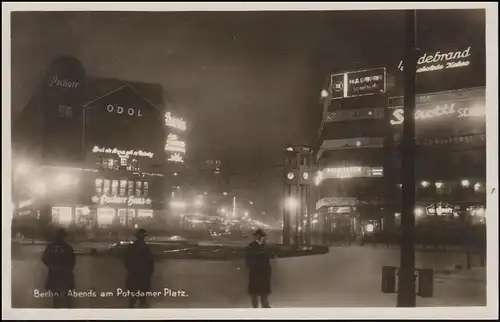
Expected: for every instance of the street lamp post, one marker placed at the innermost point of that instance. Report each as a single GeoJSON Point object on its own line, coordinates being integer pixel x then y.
{"type": "Point", "coordinates": [234, 206]}
{"type": "Point", "coordinates": [407, 290]}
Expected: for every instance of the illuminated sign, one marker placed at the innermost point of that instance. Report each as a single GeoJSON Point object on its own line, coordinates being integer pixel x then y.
{"type": "Point", "coordinates": [121, 110]}
{"type": "Point", "coordinates": [123, 153]}
{"type": "Point", "coordinates": [336, 202]}
{"type": "Point", "coordinates": [358, 114]}
{"type": "Point", "coordinates": [439, 61]}
{"type": "Point", "coordinates": [397, 116]}
{"type": "Point", "coordinates": [358, 83]}
{"type": "Point", "coordinates": [339, 210]}
{"type": "Point", "coordinates": [176, 157]}
{"type": "Point", "coordinates": [440, 209]}
{"type": "Point", "coordinates": [299, 149]}
{"type": "Point", "coordinates": [25, 203]}
{"type": "Point", "coordinates": [175, 122]}
{"type": "Point", "coordinates": [352, 143]}
{"type": "Point", "coordinates": [130, 201]}
{"type": "Point", "coordinates": [65, 83]}
{"type": "Point", "coordinates": [473, 139]}
{"type": "Point", "coordinates": [352, 172]}
{"type": "Point", "coordinates": [174, 144]}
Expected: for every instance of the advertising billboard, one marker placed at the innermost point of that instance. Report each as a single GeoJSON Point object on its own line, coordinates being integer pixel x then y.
{"type": "Point", "coordinates": [355, 114]}
{"type": "Point", "coordinates": [175, 145]}
{"type": "Point", "coordinates": [125, 124]}
{"type": "Point", "coordinates": [445, 114]}
{"type": "Point", "coordinates": [358, 83]}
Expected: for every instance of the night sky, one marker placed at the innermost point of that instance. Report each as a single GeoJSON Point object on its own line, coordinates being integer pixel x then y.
{"type": "Point", "coordinates": [247, 82]}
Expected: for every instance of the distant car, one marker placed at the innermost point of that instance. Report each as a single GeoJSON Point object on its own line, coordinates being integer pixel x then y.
{"type": "Point", "coordinates": [176, 238]}
{"type": "Point", "coordinates": [120, 244]}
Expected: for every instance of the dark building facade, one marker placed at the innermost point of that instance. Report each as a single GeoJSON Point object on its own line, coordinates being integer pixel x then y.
{"type": "Point", "coordinates": [93, 153]}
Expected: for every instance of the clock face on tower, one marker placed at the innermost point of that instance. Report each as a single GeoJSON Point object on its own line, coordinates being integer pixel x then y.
{"type": "Point", "coordinates": [290, 176]}
{"type": "Point", "coordinates": [305, 175]}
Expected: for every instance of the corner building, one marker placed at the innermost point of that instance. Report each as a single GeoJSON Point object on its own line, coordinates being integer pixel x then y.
{"type": "Point", "coordinates": [96, 154]}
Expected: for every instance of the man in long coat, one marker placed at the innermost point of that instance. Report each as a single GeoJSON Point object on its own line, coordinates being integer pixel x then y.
{"type": "Point", "coordinates": [139, 263]}
{"type": "Point", "coordinates": [259, 269]}
{"type": "Point", "coordinates": [59, 258]}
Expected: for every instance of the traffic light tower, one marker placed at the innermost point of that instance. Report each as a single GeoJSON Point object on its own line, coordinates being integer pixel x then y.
{"type": "Point", "coordinates": [297, 210]}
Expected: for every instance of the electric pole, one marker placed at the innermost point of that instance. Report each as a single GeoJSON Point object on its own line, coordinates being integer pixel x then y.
{"type": "Point", "coordinates": [407, 290]}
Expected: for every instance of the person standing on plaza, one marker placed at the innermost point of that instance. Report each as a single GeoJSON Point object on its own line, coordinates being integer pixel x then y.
{"type": "Point", "coordinates": [259, 268]}
{"type": "Point", "coordinates": [139, 263]}
{"type": "Point", "coordinates": [59, 258]}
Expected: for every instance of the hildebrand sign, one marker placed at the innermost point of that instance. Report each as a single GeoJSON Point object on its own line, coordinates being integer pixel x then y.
{"type": "Point", "coordinates": [430, 62]}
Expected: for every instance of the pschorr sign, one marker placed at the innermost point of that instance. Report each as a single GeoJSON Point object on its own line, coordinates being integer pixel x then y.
{"type": "Point", "coordinates": [116, 200]}
{"type": "Point", "coordinates": [358, 83]}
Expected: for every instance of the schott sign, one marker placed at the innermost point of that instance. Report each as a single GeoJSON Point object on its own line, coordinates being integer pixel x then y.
{"type": "Point", "coordinates": [452, 109]}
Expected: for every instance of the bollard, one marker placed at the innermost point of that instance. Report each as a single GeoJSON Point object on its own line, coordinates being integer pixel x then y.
{"type": "Point", "coordinates": [468, 259]}
{"type": "Point", "coordinates": [482, 258]}
{"type": "Point", "coordinates": [388, 279]}
{"type": "Point", "coordinates": [425, 282]}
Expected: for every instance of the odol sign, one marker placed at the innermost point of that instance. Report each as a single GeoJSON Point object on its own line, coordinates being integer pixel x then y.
{"type": "Point", "coordinates": [117, 109]}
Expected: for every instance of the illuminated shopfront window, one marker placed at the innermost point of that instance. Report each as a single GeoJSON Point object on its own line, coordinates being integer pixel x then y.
{"type": "Point", "coordinates": [62, 215]}
{"type": "Point", "coordinates": [82, 216]}
{"type": "Point", "coordinates": [105, 216]}
{"type": "Point", "coordinates": [146, 189]}
{"type": "Point", "coordinates": [122, 217]}
{"type": "Point", "coordinates": [144, 214]}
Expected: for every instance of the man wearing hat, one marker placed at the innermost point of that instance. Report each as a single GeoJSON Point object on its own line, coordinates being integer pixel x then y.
{"type": "Point", "coordinates": [259, 269]}
{"type": "Point", "coordinates": [59, 258]}
{"type": "Point", "coordinates": [139, 263]}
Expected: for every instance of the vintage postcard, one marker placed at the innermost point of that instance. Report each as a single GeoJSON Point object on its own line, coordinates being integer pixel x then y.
{"type": "Point", "coordinates": [318, 160]}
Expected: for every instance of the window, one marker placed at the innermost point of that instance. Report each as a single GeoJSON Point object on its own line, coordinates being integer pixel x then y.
{"type": "Point", "coordinates": [106, 187]}
{"type": "Point", "coordinates": [114, 187]}
{"type": "Point", "coordinates": [111, 163]}
{"type": "Point", "coordinates": [123, 187]}
{"type": "Point", "coordinates": [65, 111]}
{"type": "Point", "coordinates": [130, 191]}
{"type": "Point", "coordinates": [135, 165]}
{"type": "Point", "coordinates": [146, 189]}
{"type": "Point", "coordinates": [138, 188]}
{"type": "Point", "coordinates": [98, 186]}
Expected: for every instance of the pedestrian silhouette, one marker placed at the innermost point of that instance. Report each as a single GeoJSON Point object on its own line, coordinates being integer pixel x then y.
{"type": "Point", "coordinates": [139, 263]}
{"type": "Point", "coordinates": [259, 270]}
{"type": "Point", "coordinates": [59, 258]}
